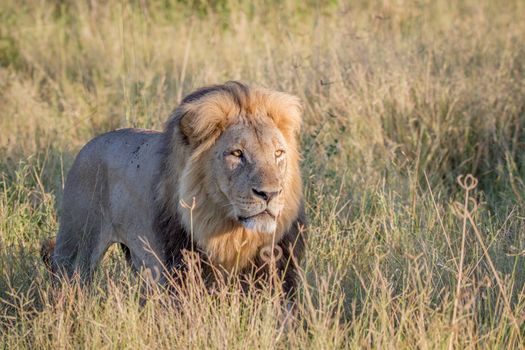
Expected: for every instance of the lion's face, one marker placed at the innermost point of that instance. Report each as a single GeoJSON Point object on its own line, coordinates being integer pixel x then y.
{"type": "Point", "coordinates": [249, 168]}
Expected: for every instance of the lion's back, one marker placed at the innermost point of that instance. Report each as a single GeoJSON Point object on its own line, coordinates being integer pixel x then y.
{"type": "Point", "coordinates": [119, 147]}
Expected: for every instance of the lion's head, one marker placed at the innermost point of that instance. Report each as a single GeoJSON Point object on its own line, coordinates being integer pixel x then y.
{"type": "Point", "coordinates": [249, 165]}
{"type": "Point", "coordinates": [233, 154]}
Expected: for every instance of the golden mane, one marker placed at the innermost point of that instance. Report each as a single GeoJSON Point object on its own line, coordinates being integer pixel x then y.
{"type": "Point", "coordinates": [191, 132]}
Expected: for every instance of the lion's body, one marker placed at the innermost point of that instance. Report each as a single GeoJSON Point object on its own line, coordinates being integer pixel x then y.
{"type": "Point", "coordinates": [135, 187]}
{"type": "Point", "coordinates": [109, 197]}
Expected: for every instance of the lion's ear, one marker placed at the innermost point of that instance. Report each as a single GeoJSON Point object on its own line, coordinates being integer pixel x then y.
{"type": "Point", "coordinates": [201, 119]}
{"type": "Point", "coordinates": [185, 127]}
{"type": "Point", "coordinates": [286, 111]}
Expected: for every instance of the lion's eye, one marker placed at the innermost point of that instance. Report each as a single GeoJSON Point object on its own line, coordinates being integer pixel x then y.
{"type": "Point", "coordinates": [279, 153]}
{"type": "Point", "coordinates": [237, 153]}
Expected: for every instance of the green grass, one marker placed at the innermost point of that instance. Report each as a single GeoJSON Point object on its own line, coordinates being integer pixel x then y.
{"type": "Point", "coordinates": [400, 98]}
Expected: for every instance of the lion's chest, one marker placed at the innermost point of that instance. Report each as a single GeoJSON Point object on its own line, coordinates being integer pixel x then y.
{"type": "Point", "coordinates": [236, 249]}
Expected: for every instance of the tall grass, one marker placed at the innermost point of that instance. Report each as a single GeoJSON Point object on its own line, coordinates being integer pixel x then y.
{"type": "Point", "coordinates": [400, 98]}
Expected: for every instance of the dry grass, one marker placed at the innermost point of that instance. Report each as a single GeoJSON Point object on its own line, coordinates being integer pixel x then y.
{"type": "Point", "coordinates": [400, 98]}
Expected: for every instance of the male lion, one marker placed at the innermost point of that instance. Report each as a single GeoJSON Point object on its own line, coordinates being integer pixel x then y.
{"type": "Point", "coordinates": [228, 151]}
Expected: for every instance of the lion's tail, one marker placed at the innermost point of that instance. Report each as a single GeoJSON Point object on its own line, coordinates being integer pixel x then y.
{"type": "Point", "coordinates": [46, 251]}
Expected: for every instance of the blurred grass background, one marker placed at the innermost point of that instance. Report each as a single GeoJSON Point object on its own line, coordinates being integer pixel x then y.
{"type": "Point", "coordinates": [400, 98]}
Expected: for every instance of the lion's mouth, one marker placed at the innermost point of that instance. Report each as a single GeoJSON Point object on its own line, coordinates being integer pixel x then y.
{"type": "Point", "coordinates": [263, 213]}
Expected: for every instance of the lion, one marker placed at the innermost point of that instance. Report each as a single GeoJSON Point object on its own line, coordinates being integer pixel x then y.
{"type": "Point", "coordinates": [222, 180]}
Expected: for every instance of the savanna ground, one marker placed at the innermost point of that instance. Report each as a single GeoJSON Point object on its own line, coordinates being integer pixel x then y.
{"type": "Point", "coordinates": [400, 98]}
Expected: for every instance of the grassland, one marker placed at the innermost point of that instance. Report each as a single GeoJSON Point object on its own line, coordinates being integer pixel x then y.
{"type": "Point", "coordinates": [400, 98]}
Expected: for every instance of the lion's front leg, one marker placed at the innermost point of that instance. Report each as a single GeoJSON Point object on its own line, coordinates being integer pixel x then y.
{"type": "Point", "coordinates": [276, 269]}
{"type": "Point", "coordinates": [147, 258]}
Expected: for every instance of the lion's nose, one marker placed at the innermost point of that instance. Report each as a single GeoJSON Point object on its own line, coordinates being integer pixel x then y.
{"type": "Point", "coordinates": [265, 194]}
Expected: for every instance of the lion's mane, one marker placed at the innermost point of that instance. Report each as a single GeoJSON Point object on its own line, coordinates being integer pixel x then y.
{"type": "Point", "coordinates": [190, 132]}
